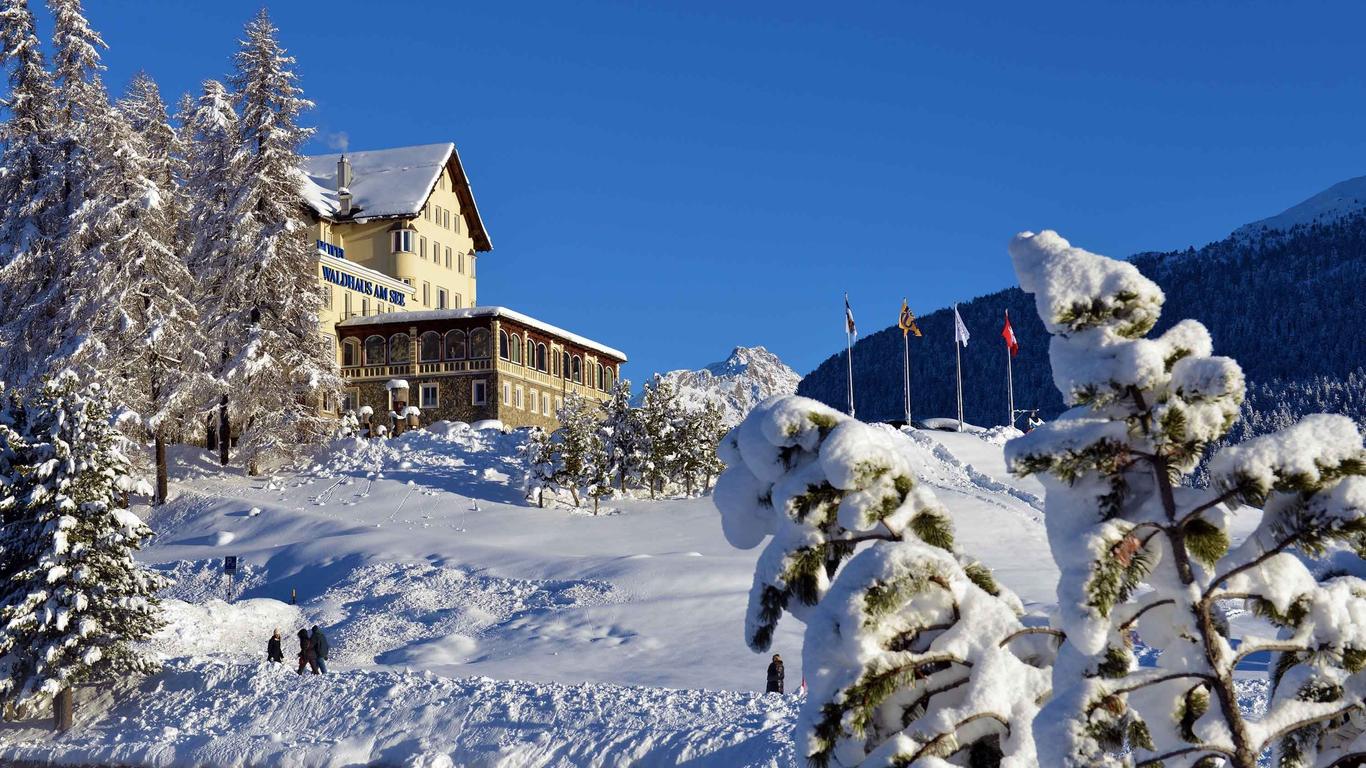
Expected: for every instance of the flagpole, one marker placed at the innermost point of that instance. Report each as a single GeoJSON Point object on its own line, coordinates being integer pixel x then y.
{"type": "Point", "coordinates": [1010, 386]}
{"type": "Point", "coordinates": [958, 353]}
{"type": "Point", "coordinates": [906, 358]}
{"type": "Point", "coordinates": [849, 356]}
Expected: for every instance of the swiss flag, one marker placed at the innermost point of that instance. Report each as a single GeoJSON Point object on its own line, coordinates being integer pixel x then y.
{"type": "Point", "coordinates": [1008, 334]}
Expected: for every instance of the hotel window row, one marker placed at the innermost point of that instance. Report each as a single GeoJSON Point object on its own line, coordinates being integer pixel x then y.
{"type": "Point", "coordinates": [401, 241]}
{"type": "Point", "coordinates": [432, 347]}
{"type": "Point", "coordinates": [442, 217]}
{"type": "Point", "coordinates": [533, 354]}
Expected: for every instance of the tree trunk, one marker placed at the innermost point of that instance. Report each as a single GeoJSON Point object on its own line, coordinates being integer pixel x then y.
{"type": "Point", "coordinates": [160, 497]}
{"type": "Point", "coordinates": [63, 709]}
{"type": "Point", "coordinates": [224, 431]}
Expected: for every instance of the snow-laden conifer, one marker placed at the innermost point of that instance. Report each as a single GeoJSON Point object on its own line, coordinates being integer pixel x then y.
{"type": "Point", "coordinates": [29, 194]}
{"type": "Point", "coordinates": [77, 602]}
{"type": "Point", "coordinates": [278, 369]}
{"type": "Point", "coordinates": [914, 655]}
{"type": "Point", "coordinates": [661, 419]}
{"type": "Point", "coordinates": [543, 469]}
{"type": "Point", "coordinates": [624, 434]}
{"type": "Point", "coordinates": [215, 160]}
{"type": "Point", "coordinates": [577, 445]}
{"type": "Point", "coordinates": [1143, 557]}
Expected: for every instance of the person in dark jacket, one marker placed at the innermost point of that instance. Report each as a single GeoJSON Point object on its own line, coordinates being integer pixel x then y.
{"type": "Point", "coordinates": [320, 647]}
{"type": "Point", "coordinates": [307, 657]}
{"type": "Point", "coordinates": [273, 650]}
{"type": "Point", "coordinates": [775, 675]}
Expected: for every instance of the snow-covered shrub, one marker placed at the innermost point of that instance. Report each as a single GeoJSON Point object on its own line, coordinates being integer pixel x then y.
{"type": "Point", "coordinates": [75, 601]}
{"type": "Point", "coordinates": [347, 426]}
{"type": "Point", "coordinates": [915, 656]}
{"type": "Point", "coordinates": [1143, 557]}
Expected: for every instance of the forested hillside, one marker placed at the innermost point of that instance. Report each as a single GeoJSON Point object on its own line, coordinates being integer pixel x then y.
{"type": "Point", "coordinates": [1285, 305]}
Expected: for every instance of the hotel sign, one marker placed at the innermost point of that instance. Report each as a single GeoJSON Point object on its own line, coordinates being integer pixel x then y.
{"type": "Point", "coordinates": [361, 285]}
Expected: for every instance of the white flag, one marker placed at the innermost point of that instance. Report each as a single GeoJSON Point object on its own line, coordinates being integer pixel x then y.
{"type": "Point", "coordinates": [960, 331]}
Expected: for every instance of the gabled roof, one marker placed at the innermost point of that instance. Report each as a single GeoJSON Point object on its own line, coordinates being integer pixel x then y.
{"type": "Point", "coordinates": [391, 184]}
{"type": "Point", "coordinates": [427, 315]}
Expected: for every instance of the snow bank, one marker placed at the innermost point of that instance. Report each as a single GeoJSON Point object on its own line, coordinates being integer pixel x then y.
{"type": "Point", "coordinates": [225, 713]}
{"type": "Point", "coordinates": [216, 627]}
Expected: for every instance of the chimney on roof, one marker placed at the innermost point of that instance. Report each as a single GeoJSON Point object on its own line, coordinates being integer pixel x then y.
{"type": "Point", "coordinates": [344, 186]}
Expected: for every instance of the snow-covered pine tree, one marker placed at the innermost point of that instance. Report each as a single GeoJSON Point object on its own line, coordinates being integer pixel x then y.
{"type": "Point", "coordinates": [129, 317]}
{"type": "Point", "coordinates": [623, 434]}
{"type": "Point", "coordinates": [914, 655]}
{"type": "Point", "coordinates": [279, 370]}
{"type": "Point", "coordinates": [35, 335]}
{"type": "Point", "coordinates": [30, 203]}
{"type": "Point", "coordinates": [576, 442]}
{"type": "Point", "coordinates": [703, 429]}
{"type": "Point", "coordinates": [1143, 557]}
{"type": "Point", "coordinates": [597, 470]}
{"type": "Point", "coordinates": [543, 469]}
{"type": "Point", "coordinates": [215, 162]}
{"type": "Point", "coordinates": [78, 602]}
{"type": "Point", "coordinates": [660, 420]}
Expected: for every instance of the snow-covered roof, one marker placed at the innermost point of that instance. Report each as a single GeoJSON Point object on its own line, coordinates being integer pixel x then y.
{"type": "Point", "coordinates": [426, 315]}
{"type": "Point", "coordinates": [391, 183]}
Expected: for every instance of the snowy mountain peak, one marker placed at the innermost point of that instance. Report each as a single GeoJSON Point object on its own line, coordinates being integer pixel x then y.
{"type": "Point", "coordinates": [746, 378]}
{"type": "Point", "coordinates": [1338, 201]}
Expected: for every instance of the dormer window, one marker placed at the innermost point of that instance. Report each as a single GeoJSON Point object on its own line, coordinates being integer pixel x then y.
{"type": "Point", "coordinates": [402, 240]}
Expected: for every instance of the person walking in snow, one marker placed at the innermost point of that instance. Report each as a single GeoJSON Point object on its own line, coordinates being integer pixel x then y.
{"type": "Point", "coordinates": [775, 675]}
{"type": "Point", "coordinates": [274, 652]}
{"type": "Point", "coordinates": [307, 656]}
{"type": "Point", "coordinates": [320, 647]}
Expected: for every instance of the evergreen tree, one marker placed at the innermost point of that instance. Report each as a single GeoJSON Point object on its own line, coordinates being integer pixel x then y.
{"type": "Point", "coordinates": [660, 419]}
{"type": "Point", "coordinates": [30, 204]}
{"type": "Point", "coordinates": [623, 434]}
{"type": "Point", "coordinates": [544, 470]}
{"type": "Point", "coordinates": [1142, 557]}
{"type": "Point", "coordinates": [915, 656]}
{"type": "Point", "coordinates": [576, 443]}
{"type": "Point", "coordinates": [279, 370]}
{"type": "Point", "coordinates": [216, 159]}
{"type": "Point", "coordinates": [77, 601]}
{"type": "Point", "coordinates": [702, 430]}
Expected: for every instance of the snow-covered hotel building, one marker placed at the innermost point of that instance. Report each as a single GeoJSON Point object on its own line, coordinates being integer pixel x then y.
{"type": "Point", "coordinates": [399, 239]}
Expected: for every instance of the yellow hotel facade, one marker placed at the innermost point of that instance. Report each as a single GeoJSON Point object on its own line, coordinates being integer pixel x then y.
{"type": "Point", "coordinates": [399, 239]}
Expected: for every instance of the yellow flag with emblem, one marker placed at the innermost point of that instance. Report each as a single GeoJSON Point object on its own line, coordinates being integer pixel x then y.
{"type": "Point", "coordinates": [907, 320]}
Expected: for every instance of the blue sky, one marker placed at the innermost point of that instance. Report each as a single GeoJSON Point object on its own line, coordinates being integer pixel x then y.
{"type": "Point", "coordinates": [676, 179]}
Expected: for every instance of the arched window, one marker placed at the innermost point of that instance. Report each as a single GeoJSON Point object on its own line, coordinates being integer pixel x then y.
{"type": "Point", "coordinates": [374, 350]}
{"type": "Point", "coordinates": [530, 353]}
{"type": "Point", "coordinates": [602, 378]}
{"type": "Point", "coordinates": [455, 345]}
{"type": "Point", "coordinates": [400, 348]}
{"type": "Point", "coordinates": [431, 347]}
{"type": "Point", "coordinates": [503, 344]}
{"type": "Point", "coordinates": [350, 352]}
{"type": "Point", "coordinates": [515, 342]}
{"type": "Point", "coordinates": [577, 369]}
{"type": "Point", "coordinates": [540, 358]}
{"type": "Point", "coordinates": [479, 343]}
